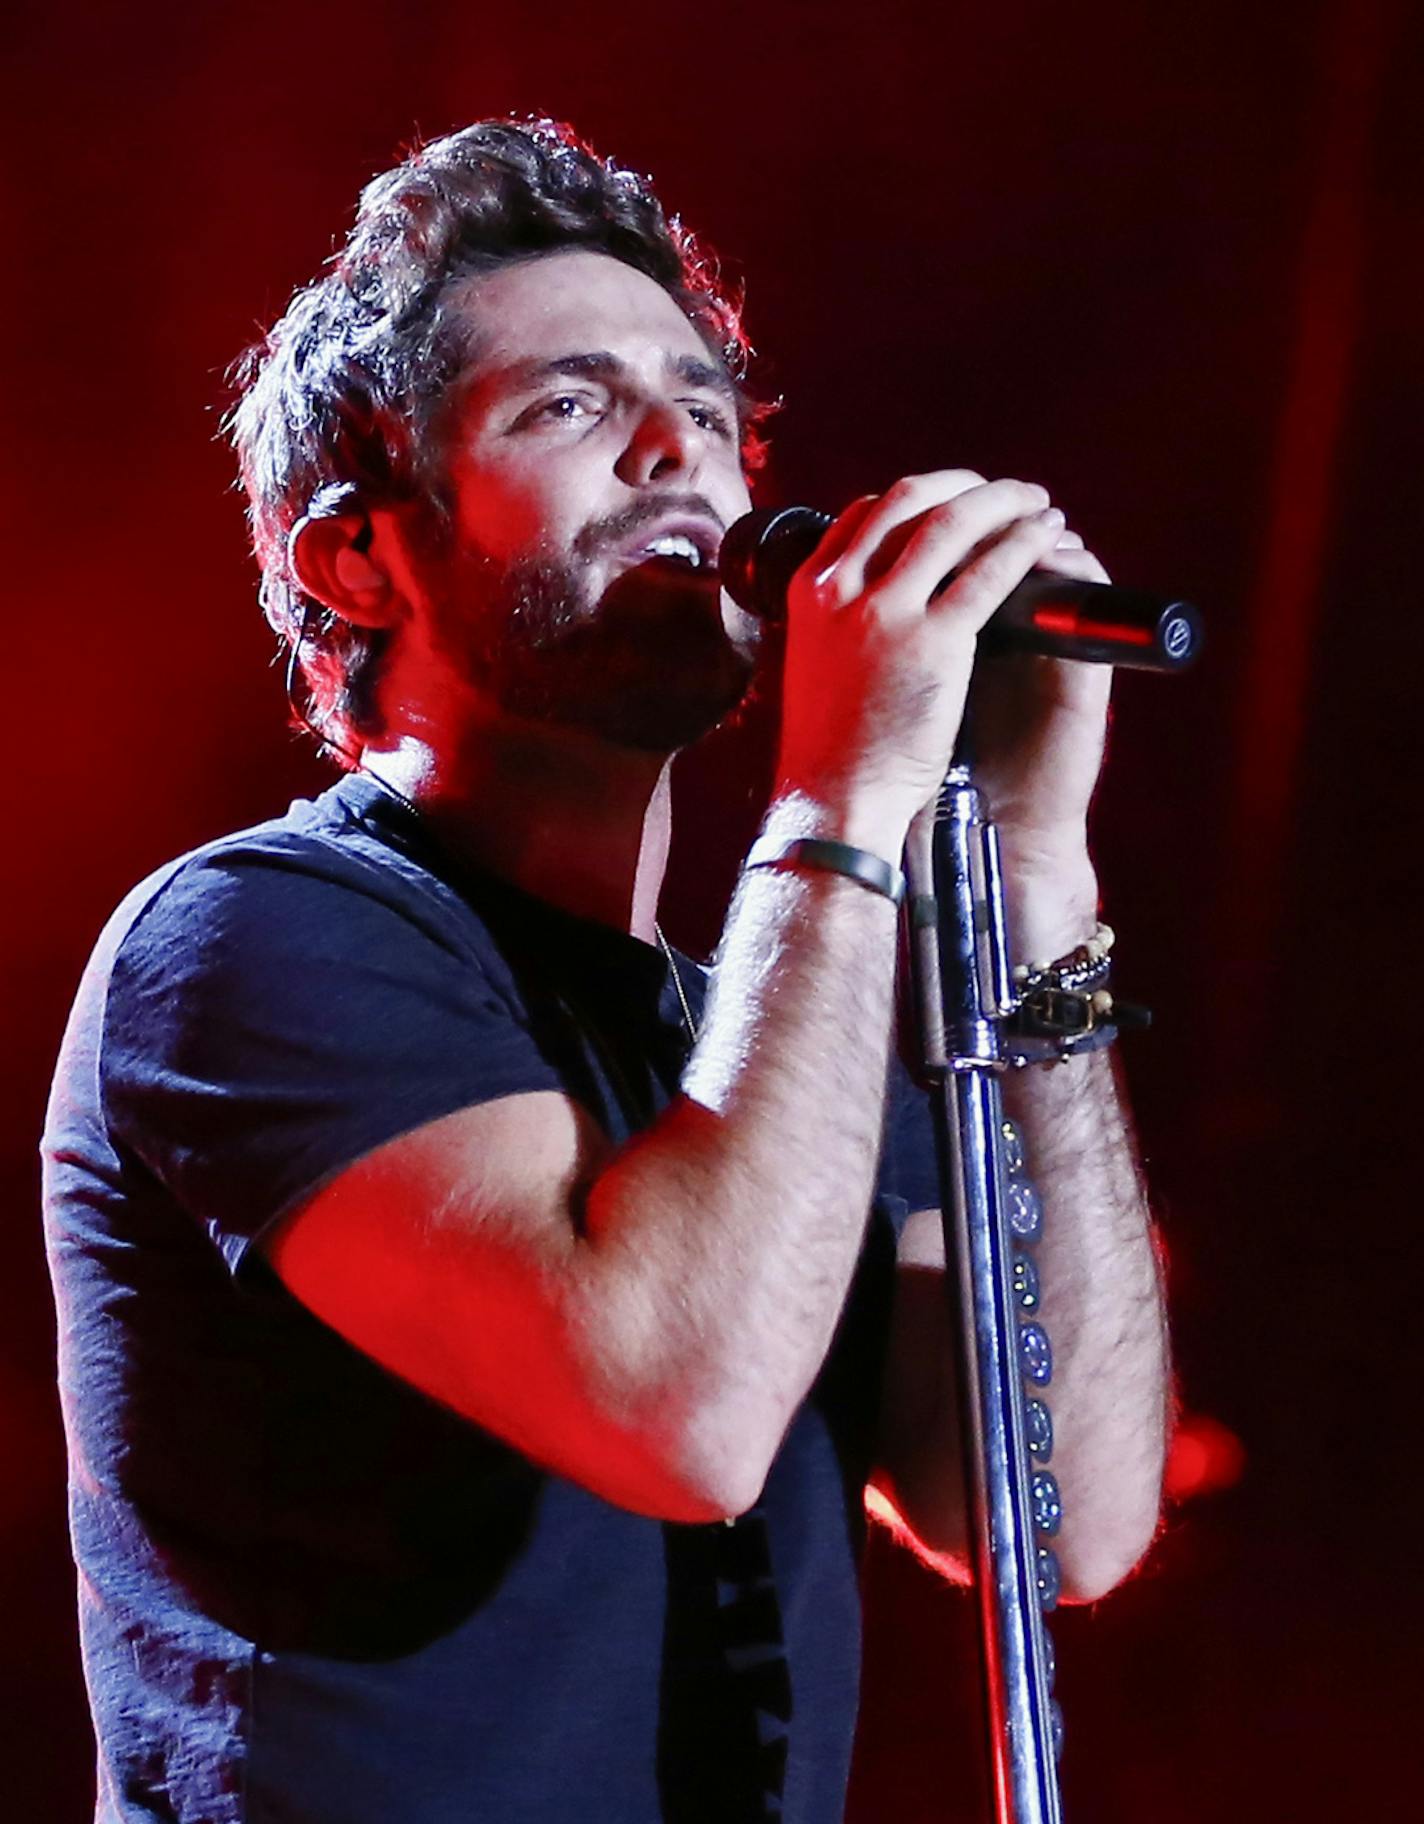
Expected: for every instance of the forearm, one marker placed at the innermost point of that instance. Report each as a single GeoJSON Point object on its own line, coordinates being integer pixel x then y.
{"type": "Point", "coordinates": [1102, 1302]}
{"type": "Point", "coordinates": [721, 1244]}
{"type": "Point", "coordinates": [1101, 1298]}
{"type": "Point", "coordinates": [1102, 1308]}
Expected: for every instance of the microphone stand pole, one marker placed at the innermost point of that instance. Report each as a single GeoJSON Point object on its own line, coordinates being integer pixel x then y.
{"type": "Point", "coordinates": [963, 988]}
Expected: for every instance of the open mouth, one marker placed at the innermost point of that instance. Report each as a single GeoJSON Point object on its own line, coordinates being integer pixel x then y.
{"type": "Point", "coordinates": [678, 548]}
{"type": "Point", "coordinates": [678, 554]}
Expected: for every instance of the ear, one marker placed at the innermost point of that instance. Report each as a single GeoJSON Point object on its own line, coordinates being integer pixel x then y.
{"type": "Point", "coordinates": [333, 560]}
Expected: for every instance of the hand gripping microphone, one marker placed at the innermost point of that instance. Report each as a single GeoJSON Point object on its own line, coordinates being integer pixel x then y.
{"type": "Point", "coordinates": [1099, 623]}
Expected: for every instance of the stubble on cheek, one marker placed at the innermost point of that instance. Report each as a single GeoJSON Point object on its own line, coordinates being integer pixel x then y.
{"type": "Point", "coordinates": [488, 610]}
{"type": "Point", "coordinates": [636, 665]}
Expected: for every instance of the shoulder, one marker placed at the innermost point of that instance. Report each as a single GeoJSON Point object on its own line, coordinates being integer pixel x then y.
{"type": "Point", "coordinates": [320, 888]}
{"type": "Point", "coordinates": [285, 952]}
{"type": "Point", "coordinates": [280, 1001]}
{"type": "Point", "coordinates": [318, 850]}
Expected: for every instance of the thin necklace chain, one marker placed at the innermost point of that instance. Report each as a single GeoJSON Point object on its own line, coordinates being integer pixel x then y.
{"type": "Point", "coordinates": [400, 798]}
{"type": "Point", "coordinates": [393, 791]}
{"type": "Point", "coordinates": [676, 973]}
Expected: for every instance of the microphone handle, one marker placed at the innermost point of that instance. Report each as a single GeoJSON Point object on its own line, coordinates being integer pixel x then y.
{"type": "Point", "coordinates": [1056, 616]}
{"type": "Point", "coordinates": [1095, 623]}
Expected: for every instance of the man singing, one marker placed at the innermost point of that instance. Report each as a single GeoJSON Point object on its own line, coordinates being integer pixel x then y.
{"type": "Point", "coordinates": [479, 1325]}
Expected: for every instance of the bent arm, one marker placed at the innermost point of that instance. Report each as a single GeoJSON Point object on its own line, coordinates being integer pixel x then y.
{"type": "Point", "coordinates": [645, 1321]}
{"type": "Point", "coordinates": [1103, 1311]}
{"type": "Point", "coordinates": [657, 1349]}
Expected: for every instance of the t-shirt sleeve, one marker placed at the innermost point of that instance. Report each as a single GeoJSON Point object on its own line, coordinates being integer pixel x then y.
{"type": "Point", "coordinates": [273, 1017]}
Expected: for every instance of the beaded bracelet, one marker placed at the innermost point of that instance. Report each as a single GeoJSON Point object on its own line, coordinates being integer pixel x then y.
{"type": "Point", "coordinates": [1065, 1007]}
{"type": "Point", "coordinates": [1084, 966]}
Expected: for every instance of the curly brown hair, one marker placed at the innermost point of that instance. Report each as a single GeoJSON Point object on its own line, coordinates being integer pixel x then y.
{"type": "Point", "coordinates": [335, 407]}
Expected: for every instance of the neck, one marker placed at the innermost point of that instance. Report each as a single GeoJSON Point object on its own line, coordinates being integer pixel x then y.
{"type": "Point", "coordinates": [569, 819]}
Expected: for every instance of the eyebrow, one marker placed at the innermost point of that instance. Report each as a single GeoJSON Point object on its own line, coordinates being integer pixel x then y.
{"type": "Point", "coordinates": [600, 364]}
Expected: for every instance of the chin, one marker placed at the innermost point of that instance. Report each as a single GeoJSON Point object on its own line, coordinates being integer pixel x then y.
{"type": "Point", "coordinates": [652, 666]}
{"type": "Point", "coordinates": [653, 669]}
{"type": "Point", "coordinates": [667, 707]}
{"type": "Point", "coordinates": [656, 693]}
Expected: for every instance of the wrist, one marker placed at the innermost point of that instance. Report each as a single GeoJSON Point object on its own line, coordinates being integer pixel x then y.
{"type": "Point", "coordinates": [865, 820]}
{"type": "Point", "coordinates": [1052, 904]}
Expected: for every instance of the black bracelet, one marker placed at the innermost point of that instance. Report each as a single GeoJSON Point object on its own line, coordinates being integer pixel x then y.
{"type": "Point", "coordinates": [1051, 1024]}
{"type": "Point", "coordinates": [834, 857]}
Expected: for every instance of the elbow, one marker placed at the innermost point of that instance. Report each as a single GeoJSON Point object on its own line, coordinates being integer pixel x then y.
{"type": "Point", "coordinates": [705, 1447]}
{"type": "Point", "coordinates": [677, 1462]}
{"type": "Point", "coordinates": [1094, 1567]}
{"type": "Point", "coordinates": [658, 1474]}
{"type": "Point", "coordinates": [1091, 1583]}
{"type": "Point", "coordinates": [688, 1493]}
{"type": "Point", "coordinates": [1110, 1521]}
{"type": "Point", "coordinates": [717, 1475]}
{"type": "Point", "coordinates": [701, 1504]}
{"type": "Point", "coordinates": [686, 1504]}
{"type": "Point", "coordinates": [717, 1452]}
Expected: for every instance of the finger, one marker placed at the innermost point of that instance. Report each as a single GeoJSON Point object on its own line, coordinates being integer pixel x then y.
{"type": "Point", "coordinates": [949, 539]}
{"type": "Point", "coordinates": [1081, 565]}
{"type": "Point", "coordinates": [901, 504]}
{"type": "Point", "coordinates": [838, 534]}
{"type": "Point", "coordinates": [1070, 541]}
{"type": "Point", "coordinates": [996, 569]}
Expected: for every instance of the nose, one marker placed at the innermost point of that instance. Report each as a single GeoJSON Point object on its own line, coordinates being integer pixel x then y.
{"type": "Point", "coordinates": [664, 442]}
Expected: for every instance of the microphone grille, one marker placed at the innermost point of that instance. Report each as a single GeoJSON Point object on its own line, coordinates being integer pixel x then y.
{"type": "Point", "coordinates": [763, 550]}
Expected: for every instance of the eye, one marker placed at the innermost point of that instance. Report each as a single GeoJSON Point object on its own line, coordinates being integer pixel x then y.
{"type": "Point", "coordinates": [710, 418]}
{"type": "Point", "coordinates": [562, 408]}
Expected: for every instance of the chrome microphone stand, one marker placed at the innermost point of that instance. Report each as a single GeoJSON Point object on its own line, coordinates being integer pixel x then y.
{"type": "Point", "coordinates": [963, 990]}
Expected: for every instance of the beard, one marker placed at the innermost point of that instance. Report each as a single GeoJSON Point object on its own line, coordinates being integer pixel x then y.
{"type": "Point", "coordinates": [648, 665]}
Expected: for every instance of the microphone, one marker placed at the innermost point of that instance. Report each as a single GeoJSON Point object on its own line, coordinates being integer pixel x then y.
{"type": "Point", "coordinates": [1100, 623]}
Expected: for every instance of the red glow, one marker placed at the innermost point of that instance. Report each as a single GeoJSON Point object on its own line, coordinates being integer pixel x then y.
{"type": "Point", "coordinates": [1205, 1457]}
{"type": "Point", "coordinates": [1068, 620]}
{"type": "Point", "coordinates": [880, 1507]}
{"type": "Point", "coordinates": [1276, 676]}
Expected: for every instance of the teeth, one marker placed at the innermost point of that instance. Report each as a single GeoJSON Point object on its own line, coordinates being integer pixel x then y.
{"type": "Point", "coordinates": [676, 544]}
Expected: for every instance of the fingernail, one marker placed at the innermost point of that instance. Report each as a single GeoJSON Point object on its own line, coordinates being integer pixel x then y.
{"type": "Point", "coordinates": [1052, 516]}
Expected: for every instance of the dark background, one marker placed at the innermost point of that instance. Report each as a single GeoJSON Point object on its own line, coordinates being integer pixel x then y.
{"type": "Point", "coordinates": [1166, 261]}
